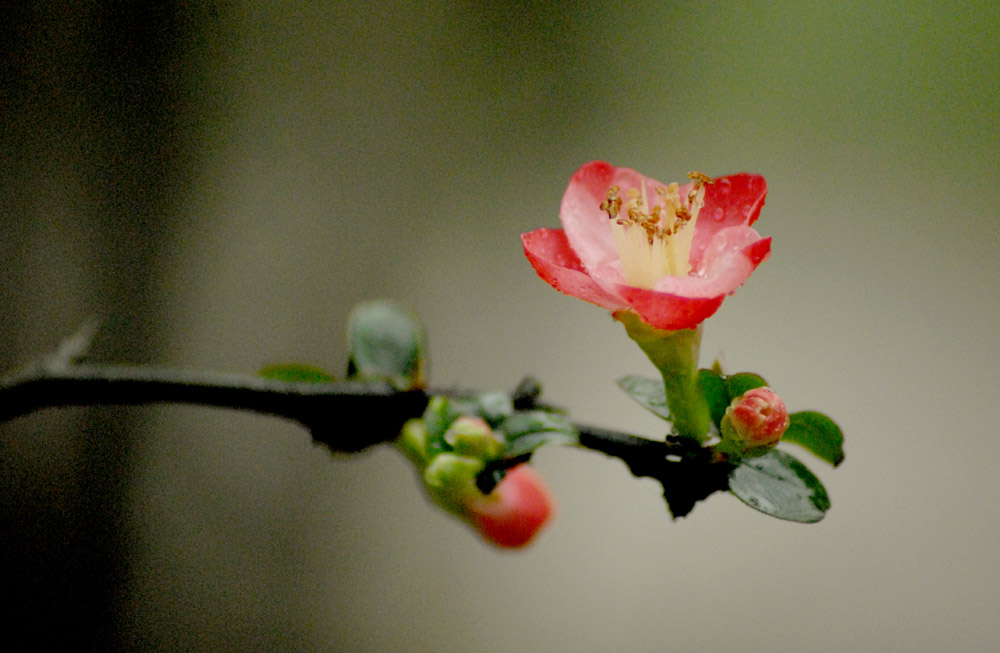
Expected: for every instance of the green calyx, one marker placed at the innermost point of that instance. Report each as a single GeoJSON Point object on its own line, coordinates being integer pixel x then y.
{"type": "Point", "coordinates": [675, 355]}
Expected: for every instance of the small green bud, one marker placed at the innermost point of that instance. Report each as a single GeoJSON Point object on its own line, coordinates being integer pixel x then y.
{"type": "Point", "coordinates": [412, 441]}
{"type": "Point", "coordinates": [472, 436]}
{"type": "Point", "coordinates": [451, 480]}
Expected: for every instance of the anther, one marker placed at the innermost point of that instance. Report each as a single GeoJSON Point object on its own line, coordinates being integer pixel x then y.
{"type": "Point", "coordinates": [612, 204]}
{"type": "Point", "coordinates": [701, 177]}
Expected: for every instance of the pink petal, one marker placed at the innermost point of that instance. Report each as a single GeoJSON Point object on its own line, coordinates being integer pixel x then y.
{"type": "Point", "coordinates": [684, 302]}
{"type": "Point", "coordinates": [668, 311]}
{"type": "Point", "coordinates": [549, 252]}
{"type": "Point", "coordinates": [583, 260]}
{"type": "Point", "coordinates": [731, 201]}
{"type": "Point", "coordinates": [586, 225]}
{"type": "Point", "coordinates": [731, 257]}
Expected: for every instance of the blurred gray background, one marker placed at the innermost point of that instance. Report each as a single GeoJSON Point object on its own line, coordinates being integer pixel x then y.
{"type": "Point", "coordinates": [220, 183]}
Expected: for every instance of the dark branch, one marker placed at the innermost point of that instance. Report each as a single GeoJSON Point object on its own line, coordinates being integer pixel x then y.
{"type": "Point", "coordinates": [330, 411]}
{"type": "Point", "coordinates": [687, 471]}
{"type": "Point", "coordinates": [326, 409]}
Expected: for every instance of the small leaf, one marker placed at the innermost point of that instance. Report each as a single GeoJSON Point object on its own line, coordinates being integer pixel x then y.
{"type": "Point", "coordinates": [296, 373]}
{"type": "Point", "coordinates": [778, 485]}
{"type": "Point", "coordinates": [494, 407]}
{"type": "Point", "coordinates": [529, 430]}
{"type": "Point", "coordinates": [714, 389]}
{"type": "Point", "coordinates": [385, 343]}
{"type": "Point", "coordinates": [738, 384]}
{"type": "Point", "coordinates": [817, 433]}
{"type": "Point", "coordinates": [438, 416]}
{"type": "Point", "coordinates": [648, 392]}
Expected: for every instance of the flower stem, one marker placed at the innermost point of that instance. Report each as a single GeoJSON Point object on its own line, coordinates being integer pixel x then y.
{"type": "Point", "coordinates": [675, 355]}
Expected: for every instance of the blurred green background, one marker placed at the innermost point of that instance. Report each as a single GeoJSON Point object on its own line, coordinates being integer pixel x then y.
{"type": "Point", "coordinates": [219, 184]}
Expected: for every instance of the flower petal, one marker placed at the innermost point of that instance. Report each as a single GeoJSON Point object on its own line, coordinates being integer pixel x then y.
{"type": "Point", "coordinates": [731, 201]}
{"type": "Point", "coordinates": [668, 311]}
{"type": "Point", "coordinates": [586, 225]}
{"type": "Point", "coordinates": [684, 302]}
{"type": "Point", "coordinates": [583, 259]}
{"type": "Point", "coordinates": [549, 252]}
{"type": "Point", "coordinates": [731, 257]}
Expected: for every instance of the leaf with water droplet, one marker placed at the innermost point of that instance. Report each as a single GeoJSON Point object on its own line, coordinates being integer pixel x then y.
{"type": "Point", "coordinates": [778, 485]}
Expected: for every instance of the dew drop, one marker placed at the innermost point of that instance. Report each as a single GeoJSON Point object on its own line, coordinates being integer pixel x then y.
{"type": "Point", "coordinates": [718, 214]}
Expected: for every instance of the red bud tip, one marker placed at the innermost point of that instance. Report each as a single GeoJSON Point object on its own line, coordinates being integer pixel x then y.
{"type": "Point", "coordinates": [515, 511]}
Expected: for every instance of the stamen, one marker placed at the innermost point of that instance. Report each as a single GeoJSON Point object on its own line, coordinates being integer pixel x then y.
{"type": "Point", "coordinates": [612, 204]}
{"type": "Point", "coordinates": [699, 178]}
{"type": "Point", "coordinates": [661, 244]}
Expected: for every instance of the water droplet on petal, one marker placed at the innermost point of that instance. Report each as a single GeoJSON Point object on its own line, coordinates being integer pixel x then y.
{"type": "Point", "coordinates": [718, 214]}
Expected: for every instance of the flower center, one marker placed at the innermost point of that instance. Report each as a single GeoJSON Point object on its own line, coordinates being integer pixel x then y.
{"type": "Point", "coordinates": [655, 242]}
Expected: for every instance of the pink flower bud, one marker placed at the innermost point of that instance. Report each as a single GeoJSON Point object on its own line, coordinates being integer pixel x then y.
{"type": "Point", "coordinates": [515, 511]}
{"type": "Point", "coordinates": [758, 418]}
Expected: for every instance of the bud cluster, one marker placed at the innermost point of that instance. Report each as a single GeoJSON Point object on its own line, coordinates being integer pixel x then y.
{"type": "Point", "coordinates": [450, 451]}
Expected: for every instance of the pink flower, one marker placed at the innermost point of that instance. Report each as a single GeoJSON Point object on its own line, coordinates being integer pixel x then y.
{"type": "Point", "coordinates": [672, 260]}
{"type": "Point", "coordinates": [757, 418]}
{"type": "Point", "coordinates": [515, 511]}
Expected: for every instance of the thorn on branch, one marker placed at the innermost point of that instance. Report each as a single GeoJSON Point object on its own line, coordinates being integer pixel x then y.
{"type": "Point", "coordinates": [75, 347]}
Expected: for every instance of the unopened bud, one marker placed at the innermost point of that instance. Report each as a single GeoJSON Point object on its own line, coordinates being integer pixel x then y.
{"type": "Point", "coordinates": [472, 436]}
{"type": "Point", "coordinates": [450, 480]}
{"type": "Point", "coordinates": [515, 511]}
{"type": "Point", "coordinates": [756, 419]}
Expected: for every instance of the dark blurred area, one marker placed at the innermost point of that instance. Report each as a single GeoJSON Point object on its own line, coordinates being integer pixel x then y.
{"type": "Point", "coordinates": [95, 139]}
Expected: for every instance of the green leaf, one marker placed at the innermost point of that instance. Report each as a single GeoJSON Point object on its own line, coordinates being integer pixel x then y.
{"type": "Point", "coordinates": [296, 373]}
{"type": "Point", "coordinates": [494, 407]}
{"type": "Point", "coordinates": [778, 485]}
{"type": "Point", "coordinates": [737, 384]}
{"type": "Point", "coordinates": [437, 417]}
{"type": "Point", "coordinates": [818, 434]}
{"type": "Point", "coordinates": [714, 388]}
{"type": "Point", "coordinates": [648, 392]}
{"type": "Point", "coordinates": [531, 429]}
{"type": "Point", "coordinates": [385, 343]}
